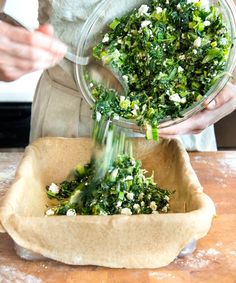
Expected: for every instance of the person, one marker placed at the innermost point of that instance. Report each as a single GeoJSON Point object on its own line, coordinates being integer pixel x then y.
{"type": "Point", "coordinates": [58, 108]}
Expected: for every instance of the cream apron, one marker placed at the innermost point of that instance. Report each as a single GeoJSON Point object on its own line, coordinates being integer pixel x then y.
{"type": "Point", "coordinates": [58, 108]}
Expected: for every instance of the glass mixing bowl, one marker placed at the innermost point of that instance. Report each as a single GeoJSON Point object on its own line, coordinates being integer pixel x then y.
{"type": "Point", "coordinates": [97, 25]}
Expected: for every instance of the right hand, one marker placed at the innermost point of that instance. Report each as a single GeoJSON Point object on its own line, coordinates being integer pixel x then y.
{"type": "Point", "coordinates": [22, 51]}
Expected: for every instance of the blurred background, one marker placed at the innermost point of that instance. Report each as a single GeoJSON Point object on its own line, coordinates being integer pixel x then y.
{"type": "Point", "coordinates": [16, 97]}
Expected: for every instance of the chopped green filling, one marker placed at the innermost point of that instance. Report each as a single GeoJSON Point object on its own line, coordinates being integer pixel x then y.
{"type": "Point", "coordinates": [124, 189]}
{"type": "Point", "coordinates": [169, 53]}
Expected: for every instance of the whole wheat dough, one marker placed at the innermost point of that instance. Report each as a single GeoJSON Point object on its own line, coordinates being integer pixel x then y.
{"type": "Point", "coordinates": [137, 241]}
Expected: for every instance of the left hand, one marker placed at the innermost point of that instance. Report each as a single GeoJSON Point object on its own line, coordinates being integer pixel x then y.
{"type": "Point", "coordinates": [223, 104]}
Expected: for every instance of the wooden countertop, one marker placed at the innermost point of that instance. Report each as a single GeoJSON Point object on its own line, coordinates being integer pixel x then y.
{"type": "Point", "coordinates": [213, 261]}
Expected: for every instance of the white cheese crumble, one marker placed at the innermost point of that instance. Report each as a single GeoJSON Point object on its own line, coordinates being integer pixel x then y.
{"type": "Point", "coordinates": [143, 10]}
{"type": "Point", "coordinates": [197, 42]}
{"type": "Point", "coordinates": [145, 23]}
{"type": "Point", "coordinates": [119, 203]}
{"type": "Point", "coordinates": [180, 69]}
{"type": "Point", "coordinates": [98, 116]}
{"type": "Point", "coordinates": [50, 212]}
{"type": "Point", "coordinates": [175, 97]}
{"type": "Point", "coordinates": [126, 211]}
{"type": "Point", "coordinates": [182, 57]}
{"type": "Point", "coordinates": [194, 51]}
{"type": "Point", "coordinates": [71, 212]}
{"type": "Point", "coordinates": [130, 196]}
{"type": "Point", "coordinates": [166, 198]}
{"type": "Point", "coordinates": [142, 203]}
{"type": "Point", "coordinates": [105, 38]}
{"type": "Point", "coordinates": [159, 10]}
{"type": "Point", "coordinates": [141, 195]}
{"type": "Point", "coordinates": [207, 23]}
{"type": "Point", "coordinates": [128, 178]}
{"type": "Point", "coordinates": [136, 206]}
{"type": "Point", "coordinates": [153, 205]}
{"type": "Point", "coordinates": [54, 188]}
{"type": "Point", "coordinates": [126, 78]}
{"type": "Point", "coordinates": [164, 209]}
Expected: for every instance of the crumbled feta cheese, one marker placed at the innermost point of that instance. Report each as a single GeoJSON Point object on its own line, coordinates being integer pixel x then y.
{"type": "Point", "coordinates": [180, 69]}
{"type": "Point", "coordinates": [134, 112]}
{"type": "Point", "coordinates": [155, 212]}
{"type": "Point", "coordinates": [128, 178]}
{"type": "Point", "coordinates": [136, 206]}
{"type": "Point", "coordinates": [105, 38]}
{"type": "Point", "coordinates": [197, 42]}
{"type": "Point", "coordinates": [167, 2]}
{"type": "Point", "coordinates": [194, 51]}
{"type": "Point", "coordinates": [175, 97]}
{"type": "Point", "coordinates": [98, 116]}
{"type": "Point", "coordinates": [182, 57]}
{"type": "Point", "coordinates": [142, 203]}
{"type": "Point", "coordinates": [159, 10]}
{"type": "Point", "coordinates": [141, 195]}
{"type": "Point", "coordinates": [126, 211]}
{"type": "Point", "coordinates": [54, 188]}
{"type": "Point", "coordinates": [178, 7]}
{"type": "Point", "coordinates": [166, 198]}
{"type": "Point", "coordinates": [145, 23]}
{"type": "Point", "coordinates": [153, 205]}
{"type": "Point", "coordinates": [71, 212]}
{"type": "Point", "coordinates": [119, 203]}
{"type": "Point", "coordinates": [102, 212]}
{"type": "Point", "coordinates": [207, 23]}
{"type": "Point", "coordinates": [143, 10]}
{"type": "Point", "coordinates": [164, 209]}
{"type": "Point", "coordinates": [126, 78]}
{"type": "Point", "coordinates": [183, 100]}
{"type": "Point", "coordinates": [50, 212]}
{"type": "Point", "coordinates": [130, 196]}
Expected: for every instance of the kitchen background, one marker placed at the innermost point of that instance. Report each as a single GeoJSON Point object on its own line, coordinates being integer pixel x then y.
{"type": "Point", "coordinates": [16, 97]}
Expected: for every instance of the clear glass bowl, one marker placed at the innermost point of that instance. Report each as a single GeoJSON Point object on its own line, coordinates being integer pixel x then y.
{"type": "Point", "coordinates": [93, 32]}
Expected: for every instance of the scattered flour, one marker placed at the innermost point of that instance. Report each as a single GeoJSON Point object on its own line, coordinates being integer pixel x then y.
{"type": "Point", "coordinates": [232, 253]}
{"type": "Point", "coordinates": [198, 260]}
{"type": "Point", "coordinates": [10, 274]}
{"type": "Point", "coordinates": [160, 275]}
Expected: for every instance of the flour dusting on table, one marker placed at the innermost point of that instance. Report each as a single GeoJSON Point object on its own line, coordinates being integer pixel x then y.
{"type": "Point", "coordinates": [198, 260]}
{"type": "Point", "coordinates": [10, 274]}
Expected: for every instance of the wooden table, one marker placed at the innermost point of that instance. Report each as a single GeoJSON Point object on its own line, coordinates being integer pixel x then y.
{"type": "Point", "coordinates": [213, 261]}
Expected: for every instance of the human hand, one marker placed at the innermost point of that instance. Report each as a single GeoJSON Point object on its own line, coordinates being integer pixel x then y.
{"type": "Point", "coordinates": [23, 51]}
{"type": "Point", "coordinates": [223, 104]}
